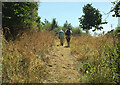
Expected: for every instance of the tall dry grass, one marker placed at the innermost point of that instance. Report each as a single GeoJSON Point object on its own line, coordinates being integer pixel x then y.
{"type": "Point", "coordinates": [96, 58]}
{"type": "Point", "coordinates": [87, 46]}
{"type": "Point", "coordinates": [24, 59]}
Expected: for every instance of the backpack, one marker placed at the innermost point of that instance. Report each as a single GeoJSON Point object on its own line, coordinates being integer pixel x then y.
{"type": "Point", "coordinates": [68, 33]}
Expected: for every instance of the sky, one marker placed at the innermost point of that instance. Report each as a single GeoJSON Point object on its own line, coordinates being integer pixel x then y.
{"type": "Point", "coordinates": [71, 11]}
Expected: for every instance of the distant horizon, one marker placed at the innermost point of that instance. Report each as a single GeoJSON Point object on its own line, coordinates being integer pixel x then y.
{"type": "Point", "coordinates": [71, 11]}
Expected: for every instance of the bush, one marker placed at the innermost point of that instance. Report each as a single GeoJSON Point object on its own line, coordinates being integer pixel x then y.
{"type": "Point", "coordinates": [76, 31]}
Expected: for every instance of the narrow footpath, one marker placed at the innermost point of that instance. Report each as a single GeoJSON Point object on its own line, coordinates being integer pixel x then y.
{"type": "Point", "coordinates": [61, 67]}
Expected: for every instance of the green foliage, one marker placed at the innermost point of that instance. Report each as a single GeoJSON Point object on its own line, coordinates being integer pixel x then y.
{"type": "Point", "coordinates": [46, 26]}
{"type": "Point", "coordinates": [116, 9]}
{"type": "Point", "coordinates": [76, 31]}
{"type": "Point", "coordinates": [56, 30]}
{"type": "Point", "coordinates": [54, 24]}
{"type": "Point", "coordinates": [67, 25]}
{"type": "Point", "coordinates": [114, 33]}
{"type": "Point", "coordinates": [70, 26]}
{"type": "Point", "coordinates": [64, 29]}
{"type": "Point", "coordinates": [45, 22]}
{"type": "Point", "coordinates": [39, 23]}
{"type": "Point", "coordinates": [91, 18]}
{"type": "Point", "coordinates": [19, 16]}
{"type": "Point", "coordinates": [106, 68]}
{"type": "Point", "coordinates": [118, 29]}
{"type": "Point", "coordinates": [98, 58]}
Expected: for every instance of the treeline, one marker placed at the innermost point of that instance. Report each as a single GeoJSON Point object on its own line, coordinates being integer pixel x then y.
{"type": "Point", "coordinates": [54, 27]}
{"type": "Point", "coordinates": [18, 16]}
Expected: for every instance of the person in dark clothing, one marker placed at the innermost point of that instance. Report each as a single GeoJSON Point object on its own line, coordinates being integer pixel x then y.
{"type": "Point", "coordinates": [68, 33]}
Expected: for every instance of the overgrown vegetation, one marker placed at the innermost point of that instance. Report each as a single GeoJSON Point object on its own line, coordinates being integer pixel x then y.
{"type": "Point", "coordinates": [116, 8]}
{"type": "Point", "coordinates": [24, 60]}
{"type": "Point", "coordinates": [98, 60]}
{"type": "Point", "coordinates": [17, 16]}
{"type": "Point", "coordinates": [27, 40]}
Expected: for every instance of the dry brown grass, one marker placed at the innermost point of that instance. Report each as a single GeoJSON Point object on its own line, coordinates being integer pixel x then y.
{"type": "Point", "coordinates": [89, 47]}
{"type": "Point", "coordinates": [90, 53]}
{"type": "Point", "coordinates": [24, 59]}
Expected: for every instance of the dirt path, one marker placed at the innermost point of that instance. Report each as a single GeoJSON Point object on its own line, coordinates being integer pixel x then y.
{"type": "Point", "coordinates": [61, 67]}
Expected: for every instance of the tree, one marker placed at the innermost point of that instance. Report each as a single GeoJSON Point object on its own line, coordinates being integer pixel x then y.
{"type": "Point", "coordinates": [70, 26]}
{"type": "Point", "coordinates": [39, 24]}
{"type": "Point", "coordinates": [47, 26]}
{"type": "Point", "coordinates": [46, 21]}
{"type": "Point", "coordinates": [116, 9]}
{"type": "Point", "coordinates": [76, 31]}
{"type": "Point", "coordinates": [65, 24]}
{"type": "Point", "coordinates": [19, 16]}
{"type": "Point", "coordinates": [91, 18]}
{"type": "Point", "coordinates": [54, 24]}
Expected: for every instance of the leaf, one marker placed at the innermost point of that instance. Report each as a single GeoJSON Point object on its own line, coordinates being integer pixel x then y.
{"type": "Point", "coordinates": [113, 77]}
{"type": "Point", "coordinates": [113, 15]}
{"type": "Point", "coordinates": [118, 11]}
{"type": "Point", "coordinates": [9, 17]}
{"type": "Point", "coordinates": [113, 2]}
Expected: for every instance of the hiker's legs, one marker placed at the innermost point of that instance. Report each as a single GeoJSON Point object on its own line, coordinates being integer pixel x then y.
{"type": "Point", "coordinates": [68, 40]}
{"type": "Point", "coordinates": [61, 41]}
{"type": "Point", "coordinates": [68, 43]}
